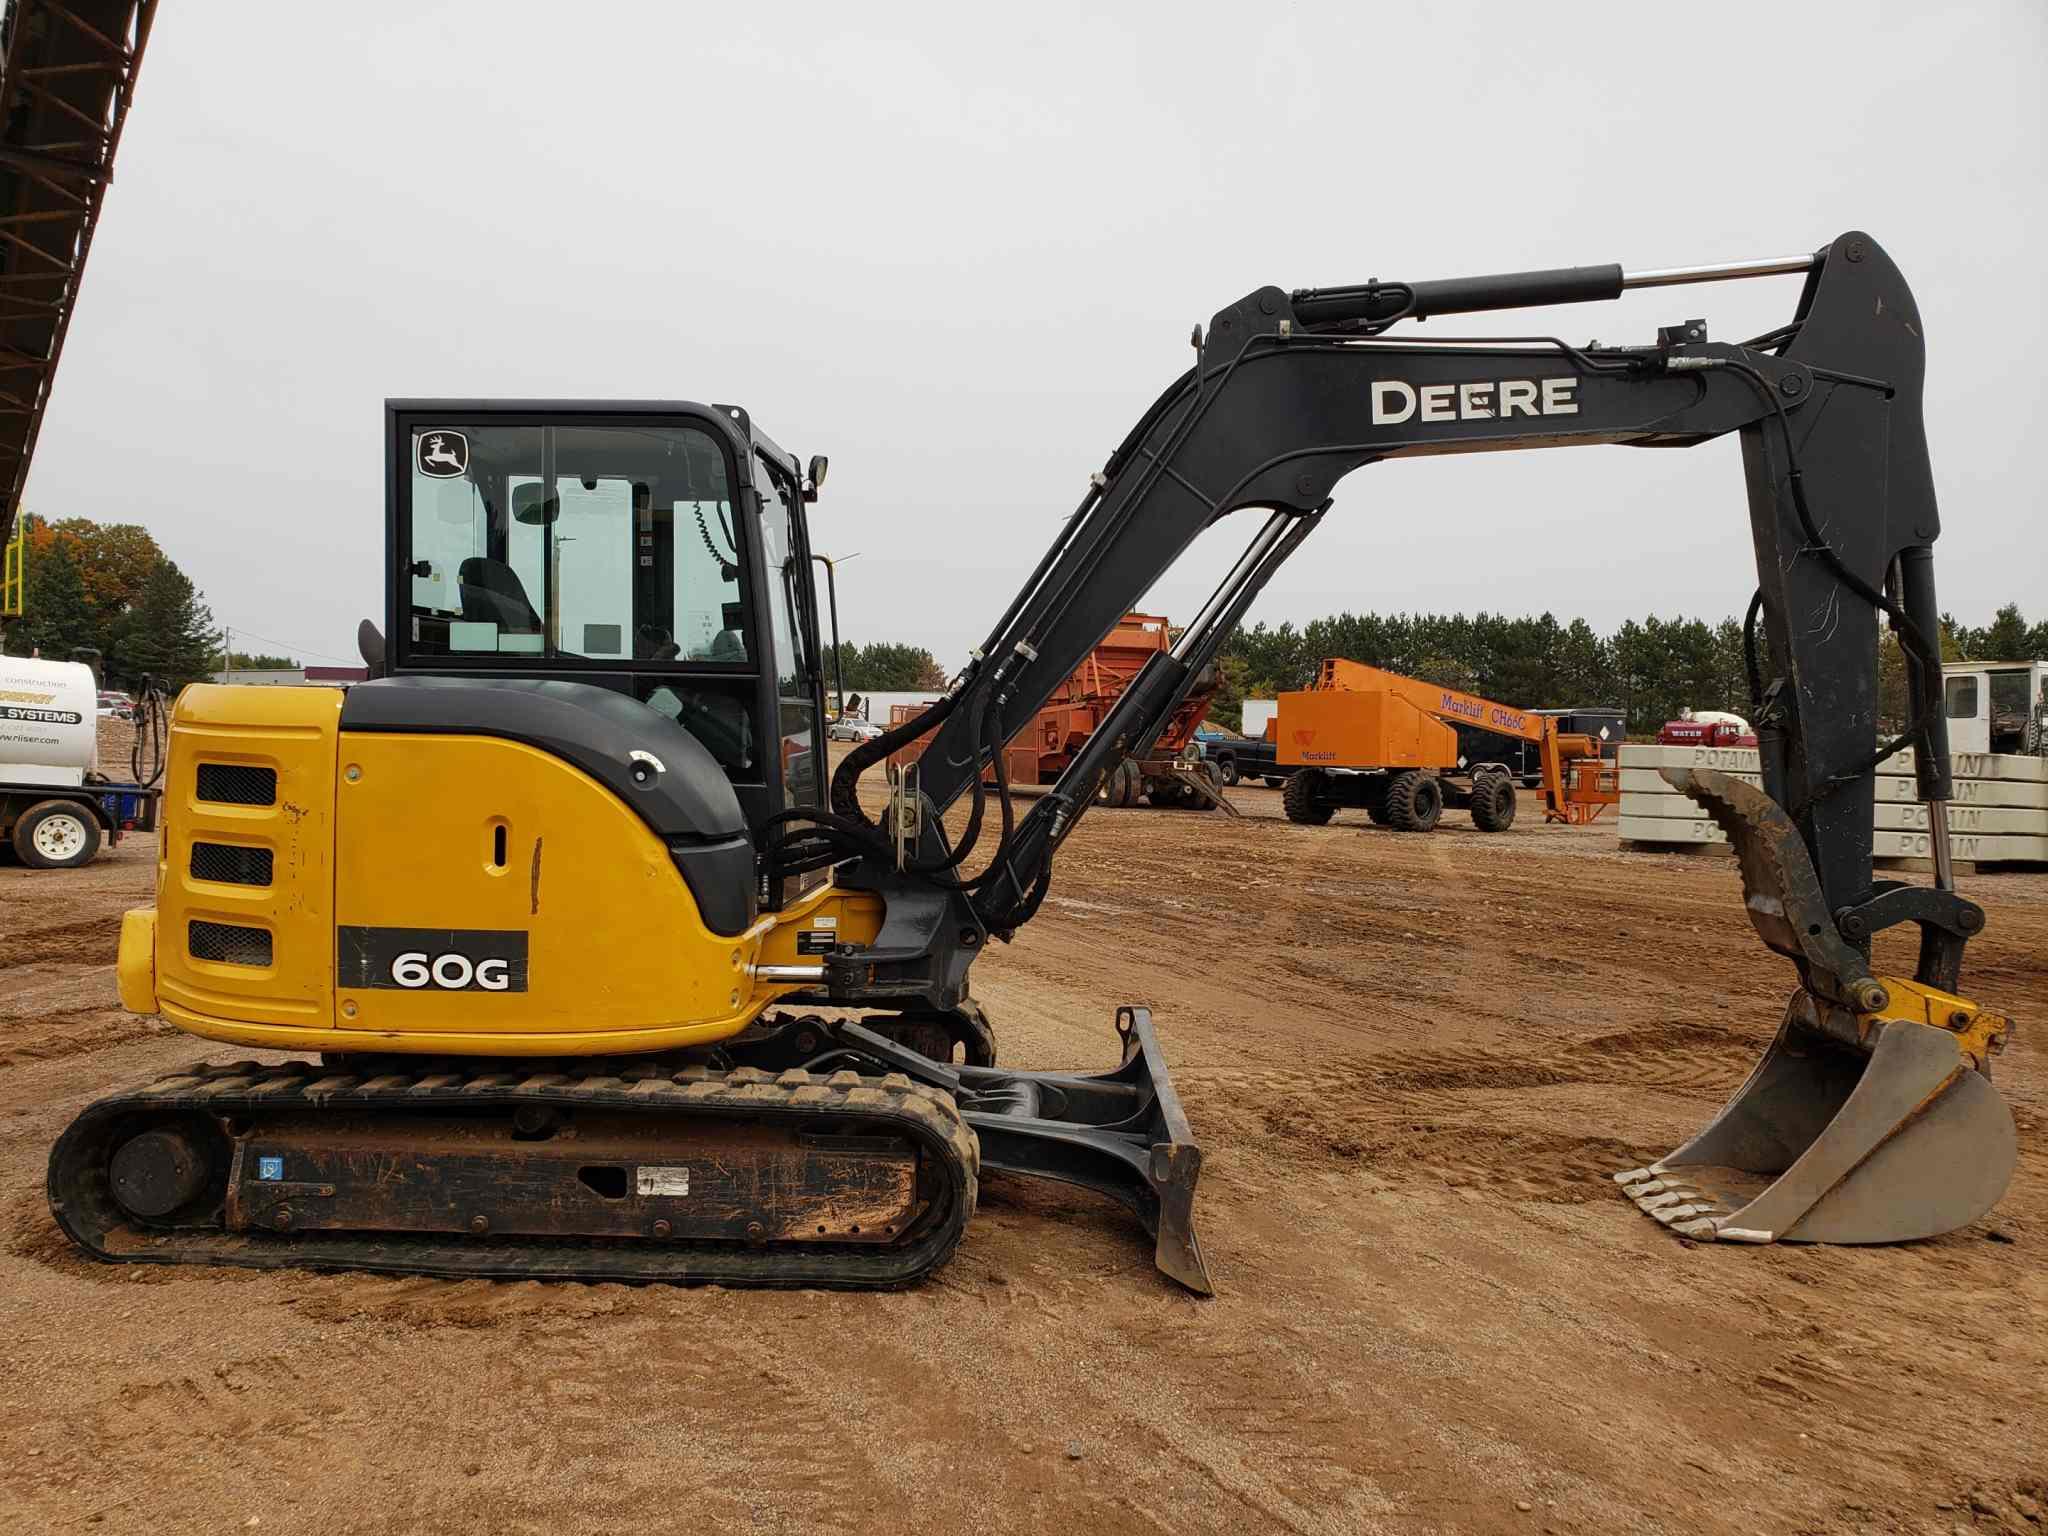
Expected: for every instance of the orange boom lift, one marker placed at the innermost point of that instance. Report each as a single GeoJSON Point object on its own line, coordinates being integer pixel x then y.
{"type": "Point", "coordinates": [1372, 739]}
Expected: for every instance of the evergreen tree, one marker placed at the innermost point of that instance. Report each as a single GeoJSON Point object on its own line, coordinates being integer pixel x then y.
{"type": "Point", "coordinates": [885, 665]}
{"type": "Point", "coordinates": [2008, 638]}
{"type": "Point", "coordinates": [56, 619]}
{"type": "Point", "coordinates": [170, 633]}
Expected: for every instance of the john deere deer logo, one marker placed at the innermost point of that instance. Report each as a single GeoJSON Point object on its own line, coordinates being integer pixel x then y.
{"type": "Point", "coordinates": [444, 455]}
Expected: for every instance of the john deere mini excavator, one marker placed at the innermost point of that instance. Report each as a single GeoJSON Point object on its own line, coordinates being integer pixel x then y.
{"type": "Point", "coordinates": [549, 907]}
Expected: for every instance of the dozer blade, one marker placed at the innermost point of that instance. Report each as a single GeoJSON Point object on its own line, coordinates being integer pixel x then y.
{"type": "Point", "coordinates": [1121, 1133]}
{"type": "Point", "coordinates": [1869, 1120]}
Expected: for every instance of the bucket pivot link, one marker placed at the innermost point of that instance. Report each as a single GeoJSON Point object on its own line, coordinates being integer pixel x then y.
{"type": "Point", "coordinates": [1871, 1118]}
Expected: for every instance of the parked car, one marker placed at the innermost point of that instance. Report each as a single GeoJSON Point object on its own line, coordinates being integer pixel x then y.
{"type": "Point", "coordinates": [853, 730]}
{"type": "Point", "coordinates": [119, 705]}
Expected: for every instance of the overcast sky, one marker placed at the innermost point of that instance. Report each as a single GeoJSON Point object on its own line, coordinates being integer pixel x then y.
{"type": "Point", "coordinates": [998, 233]}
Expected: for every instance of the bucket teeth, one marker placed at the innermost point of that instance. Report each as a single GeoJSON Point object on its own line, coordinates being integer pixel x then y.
{"type": "Point", "coordinates": [1674, 1202]}
{"type": "Point", "coordinates": [1875, 1134]}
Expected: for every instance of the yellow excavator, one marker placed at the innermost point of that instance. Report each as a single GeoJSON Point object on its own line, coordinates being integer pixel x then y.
{"type": "Point", "coordinates": [590, 972]}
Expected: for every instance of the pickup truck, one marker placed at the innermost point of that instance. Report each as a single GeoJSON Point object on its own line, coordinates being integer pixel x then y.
{"type": "Point", "coordinates": [1241, 757]}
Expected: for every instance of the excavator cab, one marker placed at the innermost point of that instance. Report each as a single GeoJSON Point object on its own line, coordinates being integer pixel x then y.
{"type": "Point", "coordinates": [658, 551]}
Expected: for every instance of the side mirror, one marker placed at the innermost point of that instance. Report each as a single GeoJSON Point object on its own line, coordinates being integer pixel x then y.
{"type": "Point", "coordinates": [531, 504]}
{"type": "Point", "coordinates": [815, 480]}
{"type": "Point", "coordinates": [370, 645]}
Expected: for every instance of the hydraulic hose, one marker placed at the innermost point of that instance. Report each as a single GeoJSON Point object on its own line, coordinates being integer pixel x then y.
{"type": "Point", "coordinates": [146, 752]}
{"type": "Point", "coordinates": [846, 778]}
{"type": "Point", "coordinates": [1925, 652]}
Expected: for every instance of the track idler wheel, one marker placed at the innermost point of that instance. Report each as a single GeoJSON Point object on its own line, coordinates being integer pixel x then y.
{"type": "Point", "coordinates": [158, 1171]}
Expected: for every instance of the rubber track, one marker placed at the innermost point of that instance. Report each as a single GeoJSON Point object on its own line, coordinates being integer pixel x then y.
{"type": "Point", "coordinates": [83, 1205]}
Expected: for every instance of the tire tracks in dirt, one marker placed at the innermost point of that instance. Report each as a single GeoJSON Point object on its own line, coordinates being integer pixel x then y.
{"type": "Point", "coordinates": [88, 942]}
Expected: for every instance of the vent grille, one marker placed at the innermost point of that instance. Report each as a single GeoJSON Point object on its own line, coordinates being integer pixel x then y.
{"type": "Point", "coordinates": [230, 863]}
{"type": "Point", "coordinates": [228, 943]}
{"type": "Point", "coordinates": [237, 784]}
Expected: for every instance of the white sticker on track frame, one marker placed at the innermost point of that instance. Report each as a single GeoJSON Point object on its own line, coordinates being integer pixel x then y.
{"type": "Point", "coordinates": [662, 1181]}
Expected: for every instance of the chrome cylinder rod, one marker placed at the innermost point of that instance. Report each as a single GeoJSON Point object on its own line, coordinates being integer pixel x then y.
{"type": "Point", "coordinates": [1718, 272]}
{"type": "Point", "coordinates": [775, 973]}
{"type": "Point", "coordinates": [1937, 831]}
{"type": "Point", "coordinates": [1227, 590]}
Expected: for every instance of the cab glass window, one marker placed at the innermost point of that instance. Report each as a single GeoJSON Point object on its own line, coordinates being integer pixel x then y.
{"type": "Point", "coordinates": [2009, 693]}
{"type": "Point", "coordinates": [605, 544]}
{"type": "Point", "coordinates": [1962, 698]}
{"type": "Point", "coordinates": [718, 711]}
{"type": "Point", "coordinates": [786, 565]}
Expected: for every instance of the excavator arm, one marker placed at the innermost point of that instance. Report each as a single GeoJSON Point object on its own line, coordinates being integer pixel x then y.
{"type": "Point", "coordinates": [1291, 392]}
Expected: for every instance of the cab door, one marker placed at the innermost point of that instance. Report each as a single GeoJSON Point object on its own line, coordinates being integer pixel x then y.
{"type": "Point", "coordinates": [793, 675]}
{"type": "Point", "coordinates": [1966, 699]}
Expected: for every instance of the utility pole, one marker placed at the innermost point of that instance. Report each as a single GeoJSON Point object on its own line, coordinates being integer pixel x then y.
{"type": "Point", "coordinates": [227, 655]}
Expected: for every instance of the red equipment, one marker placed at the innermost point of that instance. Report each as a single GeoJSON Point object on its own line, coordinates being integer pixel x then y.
{"type": "Point", "coordinates": [1038, 754]}
{"type": "Point", "coordinates": [1703, 733]}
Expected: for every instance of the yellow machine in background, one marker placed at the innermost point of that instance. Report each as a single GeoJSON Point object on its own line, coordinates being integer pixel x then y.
{"type": "Point", "coordinates": [14, 571]}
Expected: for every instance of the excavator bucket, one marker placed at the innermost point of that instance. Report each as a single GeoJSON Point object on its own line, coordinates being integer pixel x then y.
{"type": "Point", "coordinates": [1871, 1118]}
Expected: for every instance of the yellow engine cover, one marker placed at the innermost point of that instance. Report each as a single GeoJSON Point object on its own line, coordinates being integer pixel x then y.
{"type": "Point", "coordinates": [322, 890]}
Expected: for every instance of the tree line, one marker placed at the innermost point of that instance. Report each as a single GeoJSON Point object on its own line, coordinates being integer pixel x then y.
{"type": "Point", "coordinates": [1650, 668]}
{"type": "Point", "coordinates": [884, 665]}
{"type": "Point", "coordinates": [108, 587]}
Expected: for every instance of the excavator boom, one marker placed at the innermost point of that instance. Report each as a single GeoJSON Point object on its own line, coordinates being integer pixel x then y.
{"type": "Point", "coordinates": [1292, 392]}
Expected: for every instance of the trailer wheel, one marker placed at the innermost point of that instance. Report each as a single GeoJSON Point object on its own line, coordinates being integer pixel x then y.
{"type": "Point", "coordinates": [1226, 769]}
{"type": "Point", "coordinates": [1130, 784]}
{"type": "Point", "coordinates": [1195, 799]}
{"type": "Point", "coordinates": [56, 834]}
{"type": "Point", "coordinates": [1272, 781]}
{"type": "Point", "coordinates": [1303, 799]}
{"type": "Point", "coordinates": [1414, 801]}
{"type": "Point", "coordinates": [1493, 802]}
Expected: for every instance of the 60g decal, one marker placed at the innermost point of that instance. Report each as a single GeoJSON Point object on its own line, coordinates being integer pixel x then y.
{"type": "Point", "coordinates": [431, 959]}
{"type": "Point", "coordinates": [451, 972]}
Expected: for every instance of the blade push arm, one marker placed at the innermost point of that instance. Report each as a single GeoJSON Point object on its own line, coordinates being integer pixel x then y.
{"type": "Point", "coordinates": [1293, 392]}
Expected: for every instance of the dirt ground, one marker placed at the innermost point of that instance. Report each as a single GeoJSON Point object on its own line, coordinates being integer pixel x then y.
{"type": "Point", "coordinates": [1412, 1063]}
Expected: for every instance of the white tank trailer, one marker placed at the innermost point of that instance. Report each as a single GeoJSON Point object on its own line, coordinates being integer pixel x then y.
{"type": "Point", "coordinates": [49, 722]}
{"type": "Point", "coordinates": [55, 807]}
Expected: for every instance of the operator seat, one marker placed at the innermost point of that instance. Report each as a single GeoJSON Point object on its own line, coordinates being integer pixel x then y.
{"type": "Point", "coordinates": [493, 593]}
